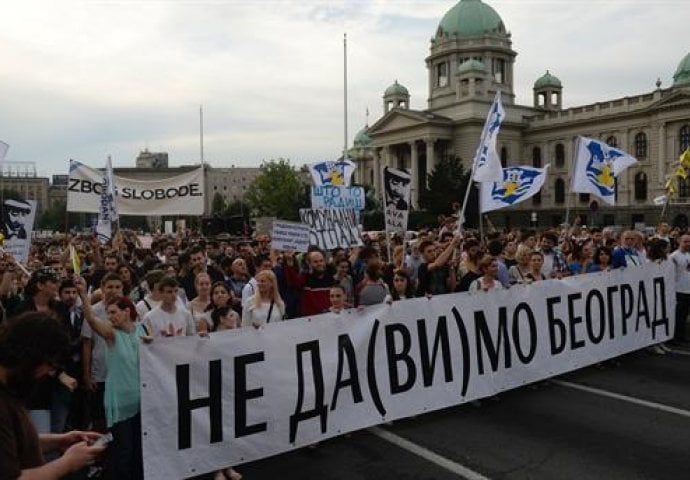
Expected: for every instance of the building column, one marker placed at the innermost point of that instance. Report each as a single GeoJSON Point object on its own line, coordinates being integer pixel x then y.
{"type": "Point", "coordinates": [430, 159]}
{"type": "Point", "coordinates": [414, 166]}
{"type": "Point", "coordinates": [661, 161]}
{"type": "Point", "coordinates": [377, 173]}
{"type": "Point", "coordinates": [387, 157]}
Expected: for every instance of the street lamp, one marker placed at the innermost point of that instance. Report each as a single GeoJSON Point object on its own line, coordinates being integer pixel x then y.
{"type": "Point", "coordinates": [534, 220]}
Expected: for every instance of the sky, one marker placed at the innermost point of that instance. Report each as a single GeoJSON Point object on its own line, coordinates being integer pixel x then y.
{"type": "Point", "coordinates": [88, 79]}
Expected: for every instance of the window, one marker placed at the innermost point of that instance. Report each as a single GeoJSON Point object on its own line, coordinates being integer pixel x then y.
{"type": "Point", "coordinates": [536, 199]}
{"type": "Point", "coordinates": [584, 197]}
{"type": "Point", "coordinates": [640, 186]}
{"type": "Point", "coordinates": [612, 141]}
{"type": "Point", "coordinates": [684, 187]}
{"type": "Point", "coordinates": [536, 157]}
{"type": "Point", "coordinates": [684, 137]}
{"type": "Point", "coordinates": [442, 74]}
{"type": "Point", "coordinates": [504, 157]}
{"type": "Point", "coordinates": [559, 191]}
{"type": "Point", "coordinates": [641, 145]}
{"type": "Point", "coordinates": [499, 70]}
{"type": "Point", "coordinates": [560, 155]}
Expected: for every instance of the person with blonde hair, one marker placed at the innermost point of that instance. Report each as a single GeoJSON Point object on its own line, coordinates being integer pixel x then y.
{"type": "Point", "coordinates": [517, 273]}
{"type": "Point", "coordinates": [489, 279]}
{"type": "Point", "coordinates": [266, 305]}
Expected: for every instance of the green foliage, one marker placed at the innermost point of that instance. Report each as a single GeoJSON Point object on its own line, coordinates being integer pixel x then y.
{"type": "Point", "coordinates": [217, 204]}
{"type": "Point", "coordinates": [447, 185]}
{"type": "Point", "coordinates": [278, 191]}
{"type": "Point", "coordinates": [52, 218]}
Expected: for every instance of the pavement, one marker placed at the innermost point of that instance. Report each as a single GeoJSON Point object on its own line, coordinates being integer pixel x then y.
{"type": "Point", "coordinates": [628, 419]}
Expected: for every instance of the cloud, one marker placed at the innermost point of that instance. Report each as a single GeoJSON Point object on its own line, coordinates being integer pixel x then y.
{"type": "Point", "coordinates": [87, 79]}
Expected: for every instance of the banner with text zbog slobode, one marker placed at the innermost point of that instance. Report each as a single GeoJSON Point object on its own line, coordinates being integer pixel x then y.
{"type": "Point", "coordinates": [179, 195]}
{"type": "Point", "coordinates": [242, 395]}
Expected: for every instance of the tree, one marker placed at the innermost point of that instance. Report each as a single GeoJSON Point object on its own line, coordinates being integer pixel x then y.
{"type": "Point", "coordinates": [277, 191]}
{"type": "Point", "coordinates": [217, 204]}
{"type": "Point", "coordinates": [447, 184]}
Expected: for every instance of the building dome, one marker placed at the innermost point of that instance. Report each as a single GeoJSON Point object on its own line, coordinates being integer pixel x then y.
{"type": "Point", "coordinates": [682, 75]}
{"type": "Point", "coordinates": [470, 18]}
{"type": "Point", "coordinates": [362, 139]}
{"type": "Point", "coordinates": [471, 66]}
{"type": "Point", "coordinates": [548, 80]}
{"type": "Point", "coordinates": [396, 89]}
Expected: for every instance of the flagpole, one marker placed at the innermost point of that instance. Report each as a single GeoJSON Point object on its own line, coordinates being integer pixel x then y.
{"type": "Point", "coordinates": [481, 217]}
{"type": "Point", "coordinates": [345, 96]}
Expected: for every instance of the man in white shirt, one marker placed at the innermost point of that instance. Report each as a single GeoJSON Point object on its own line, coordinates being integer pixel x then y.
{"type": "Point", "coordinates": [169, 319]}
{"type": "Point", "coordinates": [681, 262]}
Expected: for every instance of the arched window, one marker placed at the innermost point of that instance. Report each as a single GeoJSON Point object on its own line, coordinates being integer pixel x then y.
{"type": "Point", "coordinates": [536, 157]}
{"type": "Point", "coordinates": [641, 145]}
{"type": "Point", "coordinates": [684, 138]}
{"type": "Point", "coordinates": [504, 157]}
{"type": "Point", "coordinates": [612, 141]}
{"type": "Point", "coordinates": [559, 191]}
{"type": "Point", "coordinates": [640, 186]}
{"type": "Point", "coordinates": [536, 199]}
{"type": "Point", "coordinates": [560, 155]}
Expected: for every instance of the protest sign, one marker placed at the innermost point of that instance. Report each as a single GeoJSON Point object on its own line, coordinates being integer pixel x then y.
{"type": "Point", "coordinates": [179, 195]}
{"type": "Point", "coordinates": [331, 228]}
{"type": "Point", "coordinates": [337, 197]}
{"type": "Point", "coordinates": [17, 226]}
{"type": "Point", "coordinates": [290, 236]}
{"type": "Point", "coordinates": [397, 184]}
{"type": "Point", "coordinates": [247, 394]}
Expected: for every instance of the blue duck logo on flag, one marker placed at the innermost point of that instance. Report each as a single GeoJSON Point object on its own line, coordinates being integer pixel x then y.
{"type": "Point", "coordinates": [600, 170]}
{"type": "Point", "coordinates": [517, 182]}
{"type": "Point", "coordinates": [332, 173]}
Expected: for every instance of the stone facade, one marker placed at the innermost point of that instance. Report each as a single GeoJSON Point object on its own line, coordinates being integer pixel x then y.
{"type": "Point", "coordinates": [466, 67]}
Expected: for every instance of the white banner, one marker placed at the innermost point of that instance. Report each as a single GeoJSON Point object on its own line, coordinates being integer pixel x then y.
{"type": "Point", "coordinates": [247, 394]}
{"type": "Point", "coordinates": [331, 228]}
{"type": "Point", "coordinates": [290, 236]}
{"type": "Point", "coordinates": [179, 195]}
{"type": "Point", "coordinates": [327, 196]}
{"type": "Point", "coordinates": [18, 217]}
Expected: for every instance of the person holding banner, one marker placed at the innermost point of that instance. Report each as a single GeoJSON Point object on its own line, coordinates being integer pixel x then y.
{"type": "Point", "coordinates": [266, 305]}
{"type": "Point", "coordinates": [535, 272]}
{"type": "Point", "coordinates": [122, 334]}
{"type": "Point", "coordinates": [489, 279]}
{"type": "Point", "coordinates": [315, 284]}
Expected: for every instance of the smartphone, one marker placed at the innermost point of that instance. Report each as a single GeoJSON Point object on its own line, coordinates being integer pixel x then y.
{"type": "Point", "coordinates": [103, 440]}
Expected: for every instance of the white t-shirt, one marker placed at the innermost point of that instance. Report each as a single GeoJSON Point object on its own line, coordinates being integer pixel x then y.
{"type": "Point", "coordinates": [164, 324]}
{"type": "Point", "coordinates": [147, 304]}
{"type": "Point", "coordinates": [681, 263]}
{"type": "Point", "coordinates": [253, 316]}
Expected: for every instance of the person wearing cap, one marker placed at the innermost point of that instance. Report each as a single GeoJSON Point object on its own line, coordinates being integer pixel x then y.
{"type": "Point", "coordinates": [14, 215]}
{"type": "Point", "coordinates": [41, 295]}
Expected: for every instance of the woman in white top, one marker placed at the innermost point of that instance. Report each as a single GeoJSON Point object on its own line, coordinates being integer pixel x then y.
{"type": "Point", "coordinates": [266, 305]}
{"type": "Point", "coordinates": [197, 307]}
{"type": "Point", "coordinates": [488, 281]}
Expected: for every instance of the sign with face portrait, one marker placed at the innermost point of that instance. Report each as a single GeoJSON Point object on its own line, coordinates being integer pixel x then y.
{"type": "Point", "coordinates": [396, 188]}
{"type": "Point", "coordinates": [17, 224]}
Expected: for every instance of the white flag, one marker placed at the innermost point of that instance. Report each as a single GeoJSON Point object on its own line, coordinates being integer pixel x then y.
{"type": "Point", "coordinates": [596, 166]}
{"type": "Point", "coordinates": [660, 200]}
{"type": "Point", "coordinates": [332, 173]}
{"type": "Point", "coordinates": [487, 162]}
{"type": "Point", "coordinates": [3, 150]}
{"type": "Point", "coordinates": [519, 184]}
{"type": "Point", "coordinates": [107, 213]}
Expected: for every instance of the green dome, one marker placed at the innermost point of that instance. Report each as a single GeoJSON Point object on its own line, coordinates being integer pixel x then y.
{"type": "Point", "coordinates": [396, 89]}
{"type": "Point", "coordinates": [470, 18]}
{"type": "Point", "coordinates": [471, 66]}
{"type": "Point", "coordinates": [362, 139]}
{"type": "Point", "coordinates": [682, 75]}
{"type": "Point", "coordinates": [548, 80]}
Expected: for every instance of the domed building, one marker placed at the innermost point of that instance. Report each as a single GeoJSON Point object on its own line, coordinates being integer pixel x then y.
{"type": "Point", "coordinates": [470, 59]}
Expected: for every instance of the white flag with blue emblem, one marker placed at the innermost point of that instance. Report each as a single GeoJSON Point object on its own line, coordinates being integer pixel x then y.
{"type": "Point", "coordinates": [596, 167]}
{"type": "Point", "coordinates": [519, 184]}
{"type": "Point", "coordinates": [332, 173]}
{"type": "Point", "coordinates": [107, 212]}
{"type": "Point", "coordinates": [487, 163]}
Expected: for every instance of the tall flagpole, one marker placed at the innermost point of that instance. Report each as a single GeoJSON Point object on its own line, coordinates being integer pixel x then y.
{"type": "Point", "coordinates": [345, 96]}
{"type": "Point", "coordinates": [201, 132]}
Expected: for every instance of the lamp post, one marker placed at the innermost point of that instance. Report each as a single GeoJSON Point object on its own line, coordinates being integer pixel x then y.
{"type": "Point", "coordinates": [534, 220]}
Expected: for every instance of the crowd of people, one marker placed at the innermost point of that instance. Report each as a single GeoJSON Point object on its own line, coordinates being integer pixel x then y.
{"type": "Point", "coordinates": [72, 329]}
